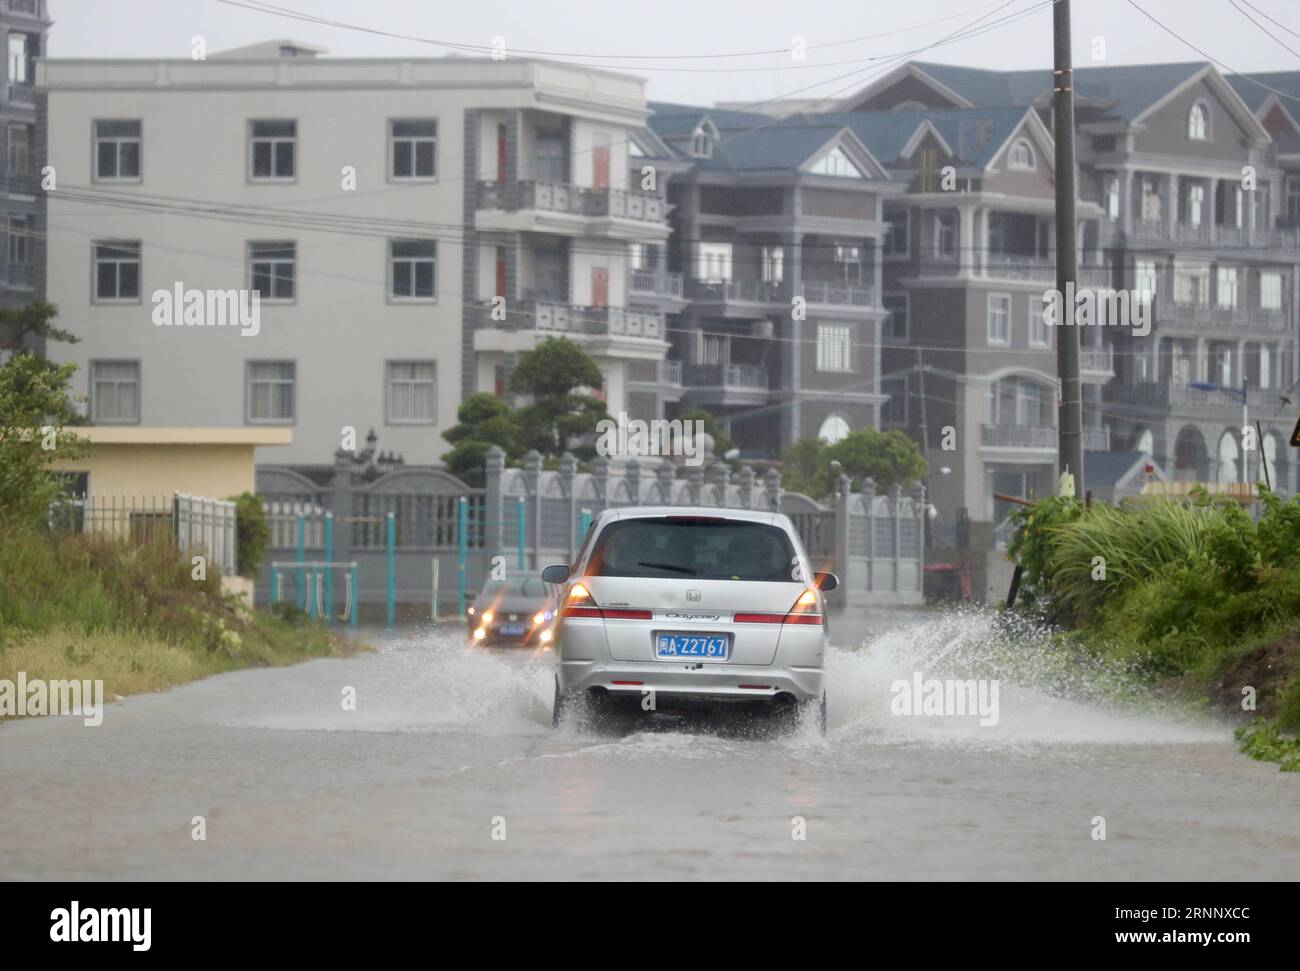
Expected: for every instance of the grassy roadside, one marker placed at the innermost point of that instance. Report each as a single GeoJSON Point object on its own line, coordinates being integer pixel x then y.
{"type": "Point", "coordinates": [1199, 600]}
{"type": "Point", "coordinates": [133, 616]}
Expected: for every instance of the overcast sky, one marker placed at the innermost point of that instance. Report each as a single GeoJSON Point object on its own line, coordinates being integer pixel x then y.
{"type": "Point", "coordinates": [620, 29]}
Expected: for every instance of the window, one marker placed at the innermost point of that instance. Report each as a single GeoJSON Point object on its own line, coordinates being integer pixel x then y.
{"type": "Point", "coordinates": [636, 256]}
{"type": "Point", "coordinates": [1265, 366]}
{"type": "Point", "coordinates": [999, 322]}
{"type": "Point", "coordinates": [1198, 122]}
{"type": "Point", "coordinates": [117, 271]}
{"type": "Point", "coordinates": [702, 139]}
{"type": "Point", "coordinates": [115, 391]}
{"type": "Point", "coordinates": [1227, 458]}
{"type": "Point", "coordinates": [411, 392]}
{"type": "Point", "coordinates": [20, 150]}
{"type": "Point", "coordinates": [834, 428]}
{"type": "Point", "coordinates": [272, 146]}
{"type": "Point", "coordinates": [715, 262]}
{"type": "Point", "coordinates": [1192, 286]}
{"type": "Point", "coordinates": [271, 391]}
{"type": "Point", "coordinates": [1040, 335]}
{"type": "Point", "coordinates": [773, 264]}
{"type": "Point", "coordinates": [1145, 277]}
{"type": "Point", "coordinates": [894, 411]}
{"type": "Point", "coordinates": [272, 268]}
{"type": "Point", "coordinates": [834, 348]}
{"type": "Point", "coordinates": [1112, 197]}
{"type": "Point", "coordinates": [19, 240]}
{"type": "Point", "coordinates": [1150, 202]}
{"type": "Point", "coordinates": [413, 269]}
{"type": "Point", "coordinates": [701, 548]}
{"type": "Point", "coordinates": [1020, 403]}
{"type": "Point", "coordinates": [414, 148]}
{"type": "Point", "coordinates": [896, 240]}
{"type": "Point", "coordinates": [836, 163]}
{"type": "Point", "coordinates": [117, 151]}
{"type": "Point", "coordinates": [1270, 291]}
{"type": "Point", "coordinates": [896, 323]}
{"type": "Point", "coordinates": [1021, 156]}
{"type": "Point", "coordinates": [945, 234]}
{"type": "Point", "coordinates": [1227, 287]}
{"type": "Point", "coordinates": [1195, 204]}
{"type": "Point", "coordinates": [1292, 202]}
{"type": "Point", "coordinates": [17, 58]}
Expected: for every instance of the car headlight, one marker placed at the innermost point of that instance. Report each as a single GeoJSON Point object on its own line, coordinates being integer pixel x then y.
{"type": "Point", "coordinates": [480, 634]}
{"type": "Point", "coordinates": [487, 617]}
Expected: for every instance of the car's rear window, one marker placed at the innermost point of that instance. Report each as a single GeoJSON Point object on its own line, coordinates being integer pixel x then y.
{"type": "Point", "coordinates": [515, 587]}
{"type": "Point", "coordinates": [699, 549]}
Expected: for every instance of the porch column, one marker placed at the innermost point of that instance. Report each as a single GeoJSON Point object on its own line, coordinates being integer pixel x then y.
{"type": "Point", "coordinates": [1170, 216]}
{"type": "Point", "coordinates": [966, 259]}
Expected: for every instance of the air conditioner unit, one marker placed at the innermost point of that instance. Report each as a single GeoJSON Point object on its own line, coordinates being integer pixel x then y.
{"type": "Point", "coordinates": [764, 328]}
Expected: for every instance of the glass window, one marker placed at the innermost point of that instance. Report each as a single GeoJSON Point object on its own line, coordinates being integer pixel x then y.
{"type": "Point", "coordinates": [115, 391]}
{"type": "Point", "coordinates": [1040, 334]}
{"type": "Point", "coordinates": [896, 241]}
{"type": "Point", "coordinates": [117, 271]}
{"type": "Point", "coordinates": [414, 145]}
{"type": "Point", "coordinates": [715, 262]}
{"type": "Point", "coordinates": [1198, 122]}
{"type": "Point", "coordinates": [117, 150]}
{"type": "Point", "coordinates": [896, 322]}
{"type": "Point", "coordinates": [413, 268]}
{"type": "Point", "coordinates": [1270, 291]}
{"type": "Point", "coordinates": [834, 348]}
{"type": "Point", "coordinates": [273, 146]}
{"type": "Point", "coordinates": [19, 240]}
{"type": "Point", "coordinates": [20, 150]}
{"type": "Point", "coordinates": [1227, 287]}
{"type": "Point", "coordinates": [271, 391]}
{"type": "Point", "coordinates": [272, 268]}
{"type": "Point", "coordinates": [945, 238]}
{"type": "Point", "coordinates": [17, 58]}
{"type": "Point", "coordinates": [411, 391]}
{"type": "Point", "coordinates": [999, 318]}
{"type": "Point", "coordinates": [693, 547]}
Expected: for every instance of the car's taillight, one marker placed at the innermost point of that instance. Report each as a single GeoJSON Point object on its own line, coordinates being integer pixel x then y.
{"type": "Point", "coordinates": [804, 611]}
{"type": "Point", "coordinates": [580, 603]}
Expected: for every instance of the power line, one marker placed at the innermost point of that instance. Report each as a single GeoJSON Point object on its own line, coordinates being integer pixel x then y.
{"type": "Point", "coordinates": [1277, 23]}
{"type": "Point", "coordinates": [1279, 40]}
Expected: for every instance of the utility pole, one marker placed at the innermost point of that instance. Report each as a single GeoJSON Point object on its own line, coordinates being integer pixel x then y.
{"type": "Point", "coordinates": [1070, 419]}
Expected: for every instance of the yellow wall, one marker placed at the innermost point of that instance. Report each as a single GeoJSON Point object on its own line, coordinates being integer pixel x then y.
{"type": "Point", "coordinates": [217, 471]}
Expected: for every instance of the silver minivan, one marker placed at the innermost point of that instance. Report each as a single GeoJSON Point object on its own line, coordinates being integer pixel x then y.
{"type": "Point", "coordinates": [668, 605]}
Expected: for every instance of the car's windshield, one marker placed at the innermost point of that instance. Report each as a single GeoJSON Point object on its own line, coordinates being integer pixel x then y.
{"type": "Point", "coordinates": [527, 586]}
{"type": "Point", "coordinates": [693, 548]}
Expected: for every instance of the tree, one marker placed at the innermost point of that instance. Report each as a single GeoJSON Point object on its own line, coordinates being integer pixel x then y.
{"type": "Point", "coordinates": [35, 405]}
{"type": "Point", "coordinates": [890, 458]}
{"type": "Point", "coordinates": [484, 420]}
{"type": "Point", "coordinates": [552, 374]}
{"type": "Point", "coordinates": [722, 444]}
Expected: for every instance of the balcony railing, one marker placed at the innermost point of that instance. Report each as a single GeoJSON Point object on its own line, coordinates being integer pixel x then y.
{"type": "Point", "coordinates": [655, 283]}
{"type": "Point", "coordinates": [656, 372]}
{"type": "Point", "coordinates": [837, 295]}
{"type": "Point", "coordinates": [25, 6]}
{"type": "Point", "coordinates": [743, 377]}
{"type": "Point", "coordinates": [572, 200]}
{"type": "Point", "coordinates": [1098, 359]}
{"type": "Point", "coordinates": [23, 94]}
{"type": "Point", "coordinates": [1018, 436]}
{"type": "Point", "coordinates": [1206, 234]}
{"type": "Point", "coordinates": [559, 318]}
{"type": "Point", "coordinates": [1011, 266]}
{"type": "Point", "coordinates": [1199, 315]}
{"type": "Point", "coordinates": [738, 291]}
{"type": "Point", "coordinates": [1096, 439]}
{"type": "Point", "coordinates": [1162, 394]}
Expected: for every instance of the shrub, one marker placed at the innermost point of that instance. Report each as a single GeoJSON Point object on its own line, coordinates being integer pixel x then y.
{"type": "Point", "coordinates": [253, 533]}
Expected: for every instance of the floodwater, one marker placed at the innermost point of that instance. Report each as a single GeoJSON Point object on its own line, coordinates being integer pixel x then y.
{"type": "Point", "coordinates": [448, 768]}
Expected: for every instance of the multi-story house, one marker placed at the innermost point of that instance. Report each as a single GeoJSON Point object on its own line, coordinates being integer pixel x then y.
{"type": "Point", "coordinates": [778, 229]}
{"type": "Point", "coordinates": [411, 226]}
{"type": "Point", "coordinates": [24, 25]}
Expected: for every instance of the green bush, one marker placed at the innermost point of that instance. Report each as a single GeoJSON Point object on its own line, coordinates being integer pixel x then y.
{"type": "Point", "coordinates": [253, 533]}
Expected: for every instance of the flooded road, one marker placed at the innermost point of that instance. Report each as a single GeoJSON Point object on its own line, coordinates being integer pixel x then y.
{"type": "Point", "coordinates": [449, 747]}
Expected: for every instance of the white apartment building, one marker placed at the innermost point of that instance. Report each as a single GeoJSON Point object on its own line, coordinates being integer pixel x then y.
{"type": "Point", "coordinates": [377, 206]}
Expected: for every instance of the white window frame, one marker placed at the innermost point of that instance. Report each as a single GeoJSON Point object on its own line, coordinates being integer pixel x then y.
{"type": "Point", "coordinates": [272, 383]}
{"type": "Point", "coordinates": [1195, 204]}
{"type": "Point", "coordinates": [835, 348]}
{"type": "Point", "coordinates": [413, 262]}
{"type": "Point", "coordinates": [1038, 315]}
{"type": "Point", "coordinates": [393, 381]}
{"type": "Point", "coordinates": [1198, 121]}
{"type": "Point", "coordinates": [942, 221]}
{"type": "Point", "coordinates": [96, 392]}
{"type": "Point", "coordinates": [25, 169]}
{"type": "Point", "coordinates": [906, 229]}
{"type": "Point", "coordinates": [413, 142]}
{"type": "Point", "coordinates": [1227, 286]}
{"type": "Point", "coordinates": [118, 142]}
{"type": "Point", "coordinates": [711, 253]}
{"type": "Point", "coordinates": [18, 232]}
{"type": "Point", "coordinates": [1270, 290]}
{"type": "Point", "coordinates": [773, 265]}
{"type": "Point", "coordinates": [96, 260]}
{"type": "Point", "coordinates": [275, 141]}
{"type": "Point", "coordinates": [1112, 197]}
{"type": "Point", "coordinates": [1027, 163]}
{"type": "Point", "coordinates": [1005, 313]}
{"type": "Point", "coordinates": [1145, 271]}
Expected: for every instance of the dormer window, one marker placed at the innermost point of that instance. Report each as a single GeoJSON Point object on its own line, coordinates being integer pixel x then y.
{"type": "Point", "coordinates": [1022, 156]}
{"type": "Point", "coordinates": [836, 163]}
{"type": "Point", "coordinates": [703, 139]}
{"type": "Point", "coordinates": [1198, 122]}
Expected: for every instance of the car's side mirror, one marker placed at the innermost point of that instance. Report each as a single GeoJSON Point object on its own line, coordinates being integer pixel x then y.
{"type": "Point", "coordinates": [556, 574]}
{"type": "Point", "coordinates": [826, 582]}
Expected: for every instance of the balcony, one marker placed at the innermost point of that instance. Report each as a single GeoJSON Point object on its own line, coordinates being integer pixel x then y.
{"type": "Point", "coordinates": [1204, 316]}
{"type": "Point", "coordinates": [1205, 234]}
{"type": "Point", "coordinates": [22, 94]}
{"type": "Point", "coordinates": [655, 283]}
{"type": "Point", "coordinates": [561, 319]}
{"type": "Point", "coordinates": [1096, 439]}
{"type": "Point", "coordinates": [1162, 395]}
{"type": "Point", "coordinates": [732, 377]}
{"type": "Point", "coordinates": [819, 294]}
{"type": "Point", "coordinates": [1018, 436]}
{"type": "Point", "coordinates": [660, 375]}
{"type": "Point", "coordinates": [1011, 266]}
{"type": "Point", "coordinates": [753, 292]}
{"type": "Point", "coordinates": [571, 209]}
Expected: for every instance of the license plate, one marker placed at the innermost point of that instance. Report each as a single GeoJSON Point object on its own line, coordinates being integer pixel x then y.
{"type": "Point", "coordinates": [511, 630]}
{"type": "Point", "coordinates": [708, 647]}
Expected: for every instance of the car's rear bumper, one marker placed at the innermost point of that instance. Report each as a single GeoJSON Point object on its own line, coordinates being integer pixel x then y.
{"type": "Point", "coordinates": [719, 682]}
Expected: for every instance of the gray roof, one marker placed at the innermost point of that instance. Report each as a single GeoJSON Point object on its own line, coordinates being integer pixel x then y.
{"type": "Point", "coordinates": [1253, 88]}
{"type": "Point", "coordinates": [974, 134]}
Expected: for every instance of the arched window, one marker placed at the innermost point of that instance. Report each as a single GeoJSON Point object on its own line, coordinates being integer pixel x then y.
{"type": "Point", "coordinates": [1228, 458]}
{"type": "Point", "coordinates": [1022, 156]}
{"type": "Point", "coordinates": [1146, 442]}
{"type": "Point", "coordinates": [1198, 122]}
{"type": "Point", "coordinates": [833, 429]}
{"type": "Point", "coordinates": [909, 106]}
